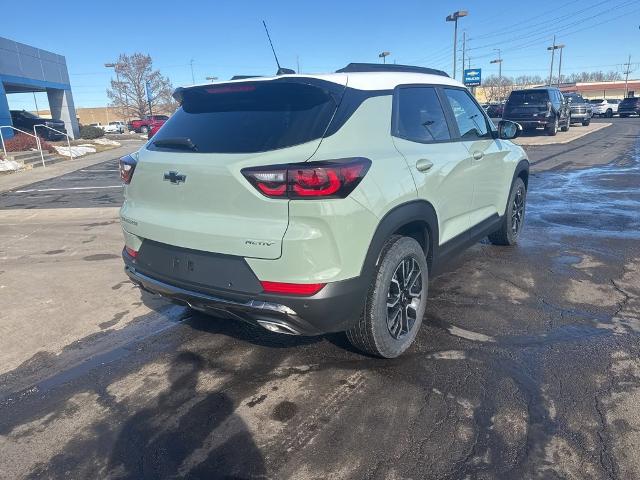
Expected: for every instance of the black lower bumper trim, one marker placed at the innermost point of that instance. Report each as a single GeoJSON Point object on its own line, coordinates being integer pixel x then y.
{"type": "Point", "coordinates": [333, 309]}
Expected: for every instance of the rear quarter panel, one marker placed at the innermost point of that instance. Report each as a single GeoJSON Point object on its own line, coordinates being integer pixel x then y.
{"type": "Point", "coordinates": [328, 240]}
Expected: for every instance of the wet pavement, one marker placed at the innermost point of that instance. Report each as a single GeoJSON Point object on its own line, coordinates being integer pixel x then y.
{"type": "Point", "coordinates": [526, 366]}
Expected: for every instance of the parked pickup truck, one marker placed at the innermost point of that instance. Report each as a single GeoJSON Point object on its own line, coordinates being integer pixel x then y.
{"type": "Point", "coordinates": [25, 121]}
{"type": "Point", "coordinates": [144, 125]}
{"type": "Point", "coordinates": [581, 110]}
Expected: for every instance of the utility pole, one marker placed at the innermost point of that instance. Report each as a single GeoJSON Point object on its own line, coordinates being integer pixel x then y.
{"type": "Point", "coordinates": [561, 47]}
{"type": "Point", "coordinates": [553, 49]}
{"type": "Point", "coordinates": [383, 56]}
{"type": "Point", "coordinates": [297, 64]}
{"type": "Point", "coordinates": [193, 78]}
{"type": "Point", "coordinates": [626, 77]}
{"type": "Point", "coordinates": [499, 62]}
{"type": "Point", "coordinates": [454, 18]}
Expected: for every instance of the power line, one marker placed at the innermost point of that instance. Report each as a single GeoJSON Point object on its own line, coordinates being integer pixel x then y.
{"type": "Point", "coordinates": [516, 28]}
{"type": "Point", "coordinates": [549, 29]}
{"type": "Point", "coordinates": [545, 38]}
{"type": "Point", "coordinates": [523, 22]}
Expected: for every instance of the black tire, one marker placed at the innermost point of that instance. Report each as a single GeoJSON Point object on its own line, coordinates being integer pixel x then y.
{"type": "Point", "coordinates": [376, 333]}
{"type": "Point", "coordinates": [586, 123]}
{"type": "Point", "coordinates": [623, 115]}
{"type": "Point", "coordinates": [609, 113]}
{"type": "Point", "coordinates": [552, 128]}
{"type": "Point", "coordinates": [566, 127]}
{"type": "Point", "coordinates": [507, 234]}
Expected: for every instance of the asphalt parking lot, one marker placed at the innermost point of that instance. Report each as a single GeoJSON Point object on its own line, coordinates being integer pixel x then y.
{"type": "Point", "coordinates": [527, 364]}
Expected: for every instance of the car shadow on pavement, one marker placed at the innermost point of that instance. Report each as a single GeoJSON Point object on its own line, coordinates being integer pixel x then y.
{"type": "Point", "coordinates": [246, 332]}
{"type": "Point", "coordinates": [259, 336]}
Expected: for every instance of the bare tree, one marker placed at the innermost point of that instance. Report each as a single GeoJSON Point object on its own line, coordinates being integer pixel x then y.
{"type": "Point", "coordinates": [528, 81]}
{"type": "Point", "coordinates": [496, 88]}
{"type": "Point", "coordinates": [128, 90]}
{"type": "Point", "coordinates": [594, 77]}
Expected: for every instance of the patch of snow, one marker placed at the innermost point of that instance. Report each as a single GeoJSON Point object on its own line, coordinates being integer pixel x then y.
{"type": "Point", "coordinates": [9, 166]}
{"type": "Point", "coordinates": [106, 141]}
{"type": "Point", "coordinates": [76, 150]}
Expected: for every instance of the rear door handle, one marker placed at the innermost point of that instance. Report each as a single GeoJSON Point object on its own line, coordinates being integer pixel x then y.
{"type": "Point", "coordinates": [478, 155]}
{"type": "Point", "coordinates": [424, 165]}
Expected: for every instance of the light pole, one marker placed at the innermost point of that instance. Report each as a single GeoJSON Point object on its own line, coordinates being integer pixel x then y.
{"type": "Point", "coordinates": [464, 50]}
{"type": "Point", "coordinates": [553, 49]}
{"type": "Point", "coordinates": [383, 56]}
{"type": "Point", "coordinates": [126, 106]}
{"type": "Point", "coordinates": [36, 102]}
{"type": "Point", "coordinates": [499, 62]}
{"type": "Point", "coordinates": [454, 18]}
{"type": "Point", "coordinates": [193, 79]}
{"type": "Point", "coordinates": [211, 79]}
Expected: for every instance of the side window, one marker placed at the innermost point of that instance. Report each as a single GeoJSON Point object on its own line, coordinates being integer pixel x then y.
{"type": "Point", "coordinates": [419, 116]}
{"type": "Point", "coordinates": [470, 119]}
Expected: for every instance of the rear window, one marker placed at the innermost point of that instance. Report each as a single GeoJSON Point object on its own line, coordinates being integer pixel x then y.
{"type": "Point", "coordinates": [629, 101]}
{"type": "Point", "coordinates": [248, 117]}
{"type": "Point", "coordinates": [596, 101]}
{"type": "Point", "coordinates": [533, 97]}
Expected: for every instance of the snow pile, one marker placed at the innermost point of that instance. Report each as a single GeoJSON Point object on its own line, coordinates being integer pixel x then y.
{"type": "Point", "coordinates": [76, 150]}
{"type": "Point", "coordinates": [9, 166]}
{"type": "Point", "coordinates": [106, 141]}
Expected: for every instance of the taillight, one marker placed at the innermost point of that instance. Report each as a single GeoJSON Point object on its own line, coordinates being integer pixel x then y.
{"type": "Point", "coordinates": [127, 167]}
{"type": "Point", "coordinates": [309, 180]}
{"type": "Point", "coordinates": [131, 252]}
{"type": "Point", "coordinates": [292, 288]}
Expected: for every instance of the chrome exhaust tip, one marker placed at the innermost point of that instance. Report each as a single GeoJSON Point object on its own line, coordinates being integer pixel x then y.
{"type": "Point", "coordinates": [277, 327]}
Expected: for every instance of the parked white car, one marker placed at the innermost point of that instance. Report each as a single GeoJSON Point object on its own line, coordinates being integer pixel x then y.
{"type": "Point", "coordinates": [605, 107]}
{"type": "Point", "coordinates": [114, 127]}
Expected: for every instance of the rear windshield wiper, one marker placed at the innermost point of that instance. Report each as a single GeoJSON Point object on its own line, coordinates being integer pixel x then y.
{"type": "Point", "coordinates": [181, 143]}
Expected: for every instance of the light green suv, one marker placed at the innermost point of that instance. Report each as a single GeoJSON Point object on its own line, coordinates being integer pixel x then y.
{"type": "Point", "coordinates": [310, 204]}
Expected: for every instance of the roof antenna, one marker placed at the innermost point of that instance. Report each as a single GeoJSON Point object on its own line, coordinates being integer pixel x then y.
{"type": "Point", "coordinates": [281, 71]}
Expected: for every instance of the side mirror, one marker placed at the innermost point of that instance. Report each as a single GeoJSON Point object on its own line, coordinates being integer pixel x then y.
{"type": "Point", "coordinates": [508, 130]}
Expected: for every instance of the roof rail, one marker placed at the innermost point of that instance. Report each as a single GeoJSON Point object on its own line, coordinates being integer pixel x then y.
{"type": "Point", "coordinates": [381, 67]}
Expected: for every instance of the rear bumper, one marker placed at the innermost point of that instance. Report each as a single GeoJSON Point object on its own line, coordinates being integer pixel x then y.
{"type": "Point", "coordinates": [530, 123]}
{"type": "Point", "coordinates": [333, 309]}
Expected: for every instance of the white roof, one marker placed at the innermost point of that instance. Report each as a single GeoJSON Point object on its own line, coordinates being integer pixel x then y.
{"type": "Point", "coordinates": [365, 80]}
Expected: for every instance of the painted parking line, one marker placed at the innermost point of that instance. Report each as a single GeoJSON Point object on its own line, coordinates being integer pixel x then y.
{"type": "Point", "coordinates": [65, 189]}
{"type": "Point", "coordinates": [101, 171]}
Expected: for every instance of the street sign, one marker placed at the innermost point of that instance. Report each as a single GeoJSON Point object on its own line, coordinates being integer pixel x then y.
{"type": "Point", "coordinates": [472, 77]}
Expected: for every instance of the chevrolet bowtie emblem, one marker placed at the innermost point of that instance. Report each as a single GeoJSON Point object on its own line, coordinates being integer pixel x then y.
{"type": "Point", "coordinates": [175, 177]}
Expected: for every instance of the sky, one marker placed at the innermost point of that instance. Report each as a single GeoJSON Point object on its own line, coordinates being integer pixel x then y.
{"type": "Point", "coordinates": [222, 39]}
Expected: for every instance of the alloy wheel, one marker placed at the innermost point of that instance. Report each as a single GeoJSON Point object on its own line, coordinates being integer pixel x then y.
{"type": "Point", "coordinates": [517, 211]}
{"type": "Point", "coordinates": [404, 297]}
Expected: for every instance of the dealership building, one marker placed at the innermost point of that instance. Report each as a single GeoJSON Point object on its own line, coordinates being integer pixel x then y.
{"type": "Point", "coordinates": [25, 69]}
